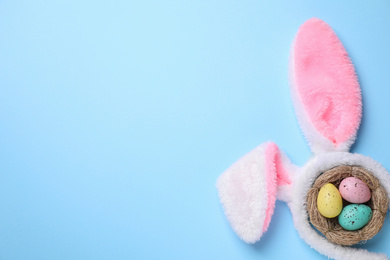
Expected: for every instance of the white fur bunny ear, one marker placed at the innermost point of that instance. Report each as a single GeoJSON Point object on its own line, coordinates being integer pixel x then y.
{"type": "Point", "coordinates": [248, 190]}
{"type": "Point", "coordinates": [325, 88]}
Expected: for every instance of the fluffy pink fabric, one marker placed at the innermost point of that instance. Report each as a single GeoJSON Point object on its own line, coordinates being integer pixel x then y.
{"type": "Point", "coordinates": [326, 82]}
{"type": "Point", "coordinates": [275, 175]}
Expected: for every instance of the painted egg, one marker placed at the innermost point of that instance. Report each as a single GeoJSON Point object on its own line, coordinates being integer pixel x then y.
{"type": "Point", "coordinates": [355, 216]}
{"type": "Point", "coordinates": [354, 190]}
{"type": "Point", "coordinates": [329, 201]}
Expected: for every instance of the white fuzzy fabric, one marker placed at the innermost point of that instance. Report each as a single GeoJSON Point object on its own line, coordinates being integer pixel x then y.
{"type": "Point", "coordinates": [243, 187]}
{"type": "Point", "coordinates": [243, 193]}
{"type": "Point", "coordinates": [284, 192]}
{"type": "Point", "coordinates": [303, 182]}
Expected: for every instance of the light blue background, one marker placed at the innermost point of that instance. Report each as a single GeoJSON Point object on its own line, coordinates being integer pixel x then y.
{"type": "Point", "coordinates": [117, 117]}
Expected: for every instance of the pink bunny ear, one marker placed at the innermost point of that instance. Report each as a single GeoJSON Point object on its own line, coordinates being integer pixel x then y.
{"type": "Point", "coordinates": [325, 88]}
{"type": "Point", "coordinates": [248, 190]}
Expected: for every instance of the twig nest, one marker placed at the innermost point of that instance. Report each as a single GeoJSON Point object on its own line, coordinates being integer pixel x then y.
{"type": "Point", "coordinates": [330, 227]}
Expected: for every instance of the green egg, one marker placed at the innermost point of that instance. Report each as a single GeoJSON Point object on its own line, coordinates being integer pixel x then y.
{"type": "Point", "coordinates": [355, 216]}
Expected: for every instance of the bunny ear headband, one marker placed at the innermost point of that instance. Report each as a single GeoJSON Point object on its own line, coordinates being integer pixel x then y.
{"type": "Point", "coordinates": [327, 100]}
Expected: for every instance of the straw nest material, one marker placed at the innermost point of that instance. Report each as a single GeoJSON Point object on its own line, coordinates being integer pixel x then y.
{"type": "Point", "coordinates": [330, 227]}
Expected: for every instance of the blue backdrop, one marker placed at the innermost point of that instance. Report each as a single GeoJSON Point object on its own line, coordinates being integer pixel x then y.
{"type": "Point", "coordinates": [117, 117]}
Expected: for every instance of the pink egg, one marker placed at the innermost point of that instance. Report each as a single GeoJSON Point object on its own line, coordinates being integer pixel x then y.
{"type": "Point", "coordinates": [354, 190]}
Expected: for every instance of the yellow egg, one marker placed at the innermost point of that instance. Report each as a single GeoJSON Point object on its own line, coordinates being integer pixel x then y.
{"type": "Point", "coordinates": [329, 202]}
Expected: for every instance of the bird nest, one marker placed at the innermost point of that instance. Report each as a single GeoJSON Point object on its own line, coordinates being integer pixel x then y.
{"type": "Point", "coordinates": [330, 227]}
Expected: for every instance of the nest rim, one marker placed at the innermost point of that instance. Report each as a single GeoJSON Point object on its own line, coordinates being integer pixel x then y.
{"type": "Point", "coordinates": [330, 227]}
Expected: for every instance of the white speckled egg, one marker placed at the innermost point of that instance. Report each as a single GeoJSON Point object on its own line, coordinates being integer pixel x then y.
{"type": "Point", "coordinates": [354, 190]}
